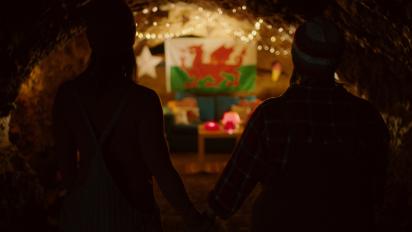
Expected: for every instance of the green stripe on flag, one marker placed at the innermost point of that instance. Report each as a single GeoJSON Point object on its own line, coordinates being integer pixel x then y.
{"type": "Point", "coordinates": [247, 81]}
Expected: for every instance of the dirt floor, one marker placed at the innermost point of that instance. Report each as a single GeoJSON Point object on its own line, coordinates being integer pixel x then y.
{"type": "Point", "coordinates": [199, 179]}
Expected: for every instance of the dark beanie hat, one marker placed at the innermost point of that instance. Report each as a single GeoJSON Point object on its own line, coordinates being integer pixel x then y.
{"type": "Point", "coordinates": [110, 25]}
{"type": "Point", "coordinates": [317, 47]}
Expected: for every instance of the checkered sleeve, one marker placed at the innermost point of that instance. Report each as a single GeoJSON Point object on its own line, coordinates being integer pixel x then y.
{"type": "Point", "coordinates": [243, 171]}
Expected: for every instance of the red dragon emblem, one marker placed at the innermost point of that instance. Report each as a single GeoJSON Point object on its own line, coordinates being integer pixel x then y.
{"type": "Point", "coordinates": [215, 69]}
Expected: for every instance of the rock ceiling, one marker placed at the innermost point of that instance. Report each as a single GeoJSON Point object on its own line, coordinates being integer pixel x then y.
{"type": "Point", "coordinates": [378, 33]}
{"type": "Point", "coordinates": [382, 27]}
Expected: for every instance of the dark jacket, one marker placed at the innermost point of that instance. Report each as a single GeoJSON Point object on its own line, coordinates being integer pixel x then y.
{"type": "Point", "coordinates": [320, 155]}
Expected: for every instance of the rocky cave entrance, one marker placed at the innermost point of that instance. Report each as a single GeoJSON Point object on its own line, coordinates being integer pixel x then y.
{"type": "Point", "coordinates": [377, 65]}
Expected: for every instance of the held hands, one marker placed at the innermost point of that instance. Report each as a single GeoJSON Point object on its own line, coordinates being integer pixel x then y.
{"type": "Point", "coordinates": [204, 222]}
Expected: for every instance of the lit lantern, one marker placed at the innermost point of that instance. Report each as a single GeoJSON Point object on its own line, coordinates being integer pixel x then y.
{"type": "Point", "coordinates": [230, 121]}
{"type": "Point", "coordinates": [211, 126]}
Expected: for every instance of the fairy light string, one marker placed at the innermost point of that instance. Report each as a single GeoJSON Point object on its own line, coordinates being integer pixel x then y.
{"type": "Point", "coordinates": [201, 19]}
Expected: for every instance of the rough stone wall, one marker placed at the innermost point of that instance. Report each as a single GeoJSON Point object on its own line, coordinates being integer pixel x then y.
{"type": "Point", "coordinates": [376, 29]}
{"type": "Point", "coordinates": [31, 120]}
{"type": "Point", "coordinates": [377, 62]}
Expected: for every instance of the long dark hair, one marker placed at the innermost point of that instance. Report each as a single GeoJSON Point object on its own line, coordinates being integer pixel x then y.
{"type": "Point", "coordinates": [111, 30]}
{"type": "Point", "coordinates": [122, 64]}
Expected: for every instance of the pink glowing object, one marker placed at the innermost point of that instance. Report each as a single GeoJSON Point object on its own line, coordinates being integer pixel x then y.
{"type": "Point", "coordinates": [230, 121]}
{"type": "Point", "coordinates": [211, 126]}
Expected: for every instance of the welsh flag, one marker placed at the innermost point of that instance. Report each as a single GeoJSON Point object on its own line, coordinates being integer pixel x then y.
{"type": "Point", "coordinates": [210, 65]}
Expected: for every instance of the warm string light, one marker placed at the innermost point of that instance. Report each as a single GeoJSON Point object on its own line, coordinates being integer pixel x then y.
{"type": "Point", "coordinates": [253, 35]}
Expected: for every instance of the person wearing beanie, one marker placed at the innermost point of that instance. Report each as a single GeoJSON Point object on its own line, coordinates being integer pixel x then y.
{"type": "Point", "coordinates": [316, 52]}
{"type": "Point", "coordinates": [109, 138]}
{"type": "Point", "coordinates": [318, 152]}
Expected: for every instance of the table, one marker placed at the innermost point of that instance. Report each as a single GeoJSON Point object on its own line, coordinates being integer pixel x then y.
{"type": "Point", "coordinates": [220, 133]}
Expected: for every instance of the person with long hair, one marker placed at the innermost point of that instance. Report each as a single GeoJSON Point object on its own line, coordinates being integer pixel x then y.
{"type": "Point", "coordinates": [109, 137]}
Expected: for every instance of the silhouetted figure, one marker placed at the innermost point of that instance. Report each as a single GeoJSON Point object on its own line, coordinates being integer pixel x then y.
{"type": "Point", "coordinates": [116, 127]}
{"type": "Point", "coordinates": [318, 151]}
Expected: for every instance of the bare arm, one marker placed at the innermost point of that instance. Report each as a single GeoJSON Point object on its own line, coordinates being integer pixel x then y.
{"type": "Point", "coordinates": [156, 155]}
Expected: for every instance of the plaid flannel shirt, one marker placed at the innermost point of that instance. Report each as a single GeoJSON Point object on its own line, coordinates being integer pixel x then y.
{"type": "Point", "coordinates": [322, 115]}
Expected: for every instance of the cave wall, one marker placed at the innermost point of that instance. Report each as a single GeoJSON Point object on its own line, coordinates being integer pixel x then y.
{"type": "Point", "coordinates": [30, 127]}
{"type": "Point", "coordinates": [376, 64]}
{"type": "Point", "coordinates": [375, 29]}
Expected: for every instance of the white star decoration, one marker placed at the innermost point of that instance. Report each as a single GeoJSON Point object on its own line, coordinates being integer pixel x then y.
{"type": "Point", "coordinates": [146, 63]}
